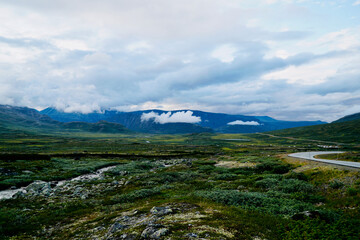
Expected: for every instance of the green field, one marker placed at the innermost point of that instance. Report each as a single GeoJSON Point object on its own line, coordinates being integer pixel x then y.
{"type": "Point", "coordinates": [206, 186]}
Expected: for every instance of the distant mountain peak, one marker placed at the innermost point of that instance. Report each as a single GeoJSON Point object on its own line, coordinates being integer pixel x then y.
{"type": "Point", "coordinates": [180, 121]}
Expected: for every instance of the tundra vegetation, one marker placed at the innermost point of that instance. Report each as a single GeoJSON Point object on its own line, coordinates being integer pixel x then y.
{"type": "Point", "coordinates": [206, 186]}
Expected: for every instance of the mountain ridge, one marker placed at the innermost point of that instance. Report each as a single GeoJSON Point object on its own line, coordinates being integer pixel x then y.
{"type": "Point", "coordinates": [24, 118]}
{"type": "Point", "coordinates": [218, 122]}
{"type": "Point", "coordinates": [343, 132]}
{"type": "Point", "coordinates": [351, 117]}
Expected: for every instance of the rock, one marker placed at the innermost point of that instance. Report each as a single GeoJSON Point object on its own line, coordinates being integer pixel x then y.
{"type": "Point", "coordinates": [161, 211]}
{"type": "Point", "coordinates": [80, 192]}
{"type": "Point", "coordinates": [129, 236]}
{"type": "Point", "coordinates": [306, 214]}
{"type": "Point", "coordinates": [159, 233]}
{"type": "Point", "coordinates": [154, 231]}
{"type": "Point", "coordinates": [117, 227]}
{"type": "Point", "coordinates": [39, 188]}
{"type": "Point", "coordinates": [19, 194]}
{"type": "Point", "coordinates": [191, 235]}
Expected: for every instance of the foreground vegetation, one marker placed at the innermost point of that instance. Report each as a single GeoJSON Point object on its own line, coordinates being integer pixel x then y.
{"type": "Point", "coordinates": [175, 187]}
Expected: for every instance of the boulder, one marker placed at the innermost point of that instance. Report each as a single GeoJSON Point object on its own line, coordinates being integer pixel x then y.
{"type": "Point", "coordinates": [39, 188]}
{"type": "Point", "coordinates": [154, 231]}
{"type": "Point", "coordinates": [161, 211]}
{"type": "Point", "coordinates": [116, 227]}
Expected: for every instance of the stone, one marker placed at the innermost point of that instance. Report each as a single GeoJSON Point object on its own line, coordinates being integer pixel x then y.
{"type": "Point", "coordinates": [19, 194]}
{"type": "Point", "coordinates": [161, 211]}
{"type": "Point", "coordinates": [129, 236]}
{"type": "Point", "coordinates": [191, 235]}
{"type": "Point", "coordinates": [117, 227]}
{"type": "Point", "coordinates": [39, 188]}
{"type": "Point", "coordinates": [159, 233]}
{"type": "Point", "coordinates": [154, 231]}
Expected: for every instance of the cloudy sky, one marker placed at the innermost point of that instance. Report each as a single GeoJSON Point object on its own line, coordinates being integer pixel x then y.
{"type": "Point", "coordinates": [288, 59]}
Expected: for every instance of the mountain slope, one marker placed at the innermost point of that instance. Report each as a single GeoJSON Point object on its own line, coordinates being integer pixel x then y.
{"type": "Point", "coordinates": [351, 117]}
{"type": "Point", "coordinates": [344, 132]}
{"type": "Point", "coordinates": [23, 118]}
{"type": "Point", "coordinates": [218, 122]}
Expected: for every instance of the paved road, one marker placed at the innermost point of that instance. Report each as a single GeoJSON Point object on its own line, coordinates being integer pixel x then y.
{"type": "Point", "coordinates": [310, 156]}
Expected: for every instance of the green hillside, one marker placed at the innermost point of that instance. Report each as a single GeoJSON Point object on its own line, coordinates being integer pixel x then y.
{"type": "Point", "coordinates": [99, 127]}
{"type": "Point", "coordinates": [347, 118]}
{"type": "Point", "coordinates": [344, 132]}
{"type": "Point", "coordinates": [15, 119]}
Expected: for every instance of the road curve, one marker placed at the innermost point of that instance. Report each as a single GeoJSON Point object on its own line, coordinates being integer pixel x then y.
{"type": "Point", "coordinates": [311, 156]}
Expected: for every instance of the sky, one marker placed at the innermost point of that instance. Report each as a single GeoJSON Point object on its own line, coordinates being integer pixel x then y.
{"type": "Point", "coordinates": [288, 59]}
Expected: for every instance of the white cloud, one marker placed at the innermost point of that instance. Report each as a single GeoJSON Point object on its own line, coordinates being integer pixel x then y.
{"type": "Point", "coordinates": [177, 117]}
{"type": "Point", "coordinates": [138, 47]}
{"type": "Point", "coordinates": [309, 74]}
{"type": "Point", "coordinates": [97, 58]}
{"type": "Point", "coordinates": [356, 3]}
{"type": "Point", "coordinates": [248, 123]}
{"type": "Point", "coordinates": [79, 108]}
{"type": "Point", "coordinates": [71, 44]}
{"type": "Point", "coordinates": [224, 53]}
{"type": "Point", "coordinates": [173, 55]}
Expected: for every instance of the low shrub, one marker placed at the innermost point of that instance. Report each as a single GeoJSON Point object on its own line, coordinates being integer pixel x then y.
{"type": "Point", "coordinates": [256, 201]}
{"type": "Point", "coordinates": [336, 184]}
{"type": "Point", "coordinates": [272, 167]}
{"type": "Point", "coordinates": [135, 195]}
{"type": "Point", "coordinates": [267, 183]}
{"type": "Point", "coordinates": [298, 176]}
{"type": "Point", "coordinates": [294, 185]}
{"type": "Point", "coordinates": [226, 176]}
{"type": "Point", "coordinates": [343, 228]}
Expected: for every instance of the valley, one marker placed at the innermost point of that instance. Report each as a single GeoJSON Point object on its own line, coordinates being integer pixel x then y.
{"type": "Point", "coordinates": [78, 180]}
{"type": "Point", "coordinates": [192, 186]}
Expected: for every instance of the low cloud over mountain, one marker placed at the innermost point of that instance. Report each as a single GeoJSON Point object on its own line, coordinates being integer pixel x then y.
{"type": "Point", "coordinates": [177, 117]}
{"type": "Point", "coordinates": [239, 122]}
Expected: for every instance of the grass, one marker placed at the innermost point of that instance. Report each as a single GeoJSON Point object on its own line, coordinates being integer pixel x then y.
{"type": "Point", "coordinates": [255, 197]}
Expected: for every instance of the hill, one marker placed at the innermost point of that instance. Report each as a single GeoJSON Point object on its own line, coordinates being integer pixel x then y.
{"type": "Point", "coordinates": [351, 117]}
{"type": "Point", "coordinates": [344, 132]}
{"type": "Point", "coordinates": [27, 119]}
{"type": "Point", "coordinates": [207, 121]}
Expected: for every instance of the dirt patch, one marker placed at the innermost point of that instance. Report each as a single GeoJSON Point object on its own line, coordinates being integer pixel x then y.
{"type": "Point", "coordinates": [234, 164]}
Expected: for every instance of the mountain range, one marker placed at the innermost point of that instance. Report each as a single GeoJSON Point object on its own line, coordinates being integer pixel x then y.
{"type": "Point", "coordinates": [23, 118]}
{"type": "Point", "coordinates": [180, 121]}
{"type": "Point", "coordinates": [174, 122]}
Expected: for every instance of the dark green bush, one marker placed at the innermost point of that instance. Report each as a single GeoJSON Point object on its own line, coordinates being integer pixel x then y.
{"type": "Point", "coordinates": [272, 167]}
{"type": "Point", "coordinates": [267, 183]}
{"type": "Point", "coordinates": [298, 176]}
{"type": "Point", "coordinates": [144, 165]}
{"type": "Point", "coordinates": [343, 228]}
{"type": "Point", "coordinates": [226, 176]}
{"type": "Point", "coordinates": [14, 221]}
{"type": "Point", "coordinates": [206, 168]}
{"type": "Point", "coordinates": [294, 185]}
{"type": "Point", "coordinates": [336, 184]}
{"type": "Point", "coordinates": [352, 191]}
{"type": "Point", "coordinates": [135, 195]}
{"type": "Point", "coordinates": [256, 201]}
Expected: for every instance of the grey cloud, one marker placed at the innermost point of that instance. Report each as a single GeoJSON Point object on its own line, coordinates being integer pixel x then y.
{"type": "Point", "coordinates": [176, 69]}
{"type": "Point", "coordinates": [26, 42]}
